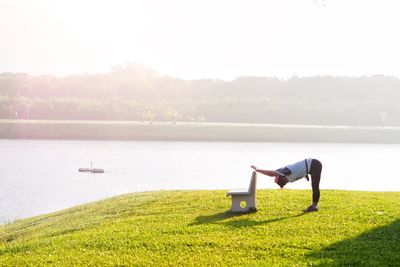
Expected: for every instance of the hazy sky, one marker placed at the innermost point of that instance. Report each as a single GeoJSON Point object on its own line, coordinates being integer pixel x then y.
{"type": "Point", "coordinates": [202, 38]}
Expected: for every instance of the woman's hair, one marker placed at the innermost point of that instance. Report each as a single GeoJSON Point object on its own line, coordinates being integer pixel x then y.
{"type": "Point", "coordinates": [281, 180]}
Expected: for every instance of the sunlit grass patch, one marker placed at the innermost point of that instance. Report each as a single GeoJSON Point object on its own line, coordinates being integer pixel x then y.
{"type": "Point", "coordinates": [196, 228]}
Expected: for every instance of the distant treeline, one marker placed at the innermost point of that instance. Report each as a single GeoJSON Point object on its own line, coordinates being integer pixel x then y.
{"type": "Point", "coordinates": [135, 92]}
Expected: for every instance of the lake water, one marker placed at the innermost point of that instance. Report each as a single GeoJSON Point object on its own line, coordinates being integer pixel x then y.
{"type": "Point", "coordinates": [37, 177]}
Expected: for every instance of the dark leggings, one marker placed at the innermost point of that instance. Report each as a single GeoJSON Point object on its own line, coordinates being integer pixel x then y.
{"type": "Point", "coordinates": [315, 171]}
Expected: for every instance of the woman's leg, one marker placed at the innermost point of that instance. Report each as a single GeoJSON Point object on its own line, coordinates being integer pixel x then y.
{"type": "Point", "coordinates": [315, 171]}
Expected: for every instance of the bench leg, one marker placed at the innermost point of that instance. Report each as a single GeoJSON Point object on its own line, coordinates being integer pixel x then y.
{"type": "Point", "coordinates": [250, 203]}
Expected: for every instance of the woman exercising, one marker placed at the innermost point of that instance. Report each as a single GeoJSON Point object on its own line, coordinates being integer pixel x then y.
{"type": "Point", "coordinates": [296, 171]}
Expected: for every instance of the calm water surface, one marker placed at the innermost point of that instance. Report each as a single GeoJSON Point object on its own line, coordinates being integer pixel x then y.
{"type": "Point", "coordinates": [42, 176]}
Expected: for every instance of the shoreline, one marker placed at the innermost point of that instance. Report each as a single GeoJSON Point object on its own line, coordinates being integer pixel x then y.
{"type": "Point", "coordinates": [194, 131]}
{"type": "Point", "coordinates": [8, 221]}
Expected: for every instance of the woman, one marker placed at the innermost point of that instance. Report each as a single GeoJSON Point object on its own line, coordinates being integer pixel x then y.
{"type": "Point", "coordinates": [296, 171]}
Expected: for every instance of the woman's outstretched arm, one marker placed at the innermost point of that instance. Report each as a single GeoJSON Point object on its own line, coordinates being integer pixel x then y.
{"type": "Point", "coordinates": [271, 173]}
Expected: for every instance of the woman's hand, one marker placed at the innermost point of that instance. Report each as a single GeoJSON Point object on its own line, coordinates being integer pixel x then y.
{"type": "Point", "coordinates": [253, 167]}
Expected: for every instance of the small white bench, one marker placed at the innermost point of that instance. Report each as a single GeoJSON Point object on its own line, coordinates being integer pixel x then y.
{"type": "Point", "coordinates": [242, 200]}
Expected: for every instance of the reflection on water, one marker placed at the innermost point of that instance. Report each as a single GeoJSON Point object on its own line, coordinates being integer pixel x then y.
{"type": "Point", "coordinates": [42, 176]}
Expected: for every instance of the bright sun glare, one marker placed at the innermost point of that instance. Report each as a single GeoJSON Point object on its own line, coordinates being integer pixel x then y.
{"type": "Point", "coordinates": [194, 39]}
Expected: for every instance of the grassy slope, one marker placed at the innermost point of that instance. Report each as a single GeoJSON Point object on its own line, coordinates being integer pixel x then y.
{"type": "Point", "coordinates": [194, 228]}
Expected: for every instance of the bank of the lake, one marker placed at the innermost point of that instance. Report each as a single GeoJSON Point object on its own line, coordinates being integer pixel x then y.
{"type": "Point", "coordinates": [28, 187]}
{"type": "Point", "coordinates": [193, 131]}
{"type": "Point", "coordinates": [195, 228]}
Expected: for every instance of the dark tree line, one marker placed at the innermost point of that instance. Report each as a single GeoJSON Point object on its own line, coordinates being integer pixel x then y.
{"type": "Point", "coordinates": [134, 92]}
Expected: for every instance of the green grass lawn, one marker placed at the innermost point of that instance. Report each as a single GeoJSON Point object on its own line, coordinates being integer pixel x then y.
{"type": "Point", "coordinates": [195, 228]}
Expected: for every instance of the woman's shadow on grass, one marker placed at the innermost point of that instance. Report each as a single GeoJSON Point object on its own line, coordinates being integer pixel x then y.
{"type": "Point", "coordinates": [245, 222]}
